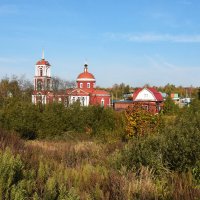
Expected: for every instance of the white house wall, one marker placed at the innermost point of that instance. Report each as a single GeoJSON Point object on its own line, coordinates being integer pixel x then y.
{"type": "Point", "coordinates": [145, 95]}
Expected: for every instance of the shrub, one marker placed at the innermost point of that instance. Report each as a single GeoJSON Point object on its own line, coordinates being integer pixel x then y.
{"type": "Point", "coordinates": [140, 122]}
{"type": "Point", "coordinates": [21, 117]}
{"type": "Point", "coordinates": [143, 151]}
{"type": "Point", "coordinates": [181, 146]}
{"type": "Point", "coordinates": [11, 170]}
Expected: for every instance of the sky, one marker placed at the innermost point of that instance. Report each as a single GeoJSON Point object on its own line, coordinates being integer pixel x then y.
{"type": "Point", "coordinates": [136, 42]}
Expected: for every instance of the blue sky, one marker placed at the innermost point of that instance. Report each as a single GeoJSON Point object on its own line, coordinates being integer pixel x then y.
{"type": "Point", "coordinates": [130, 41]}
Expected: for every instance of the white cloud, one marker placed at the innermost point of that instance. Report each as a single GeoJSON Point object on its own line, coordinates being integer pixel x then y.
{"type": "Point", "coordinates": [150, 37]}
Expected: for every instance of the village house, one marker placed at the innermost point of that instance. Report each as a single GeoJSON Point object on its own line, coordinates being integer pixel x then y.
{"type": "Point", "coordinates": [149, 99]}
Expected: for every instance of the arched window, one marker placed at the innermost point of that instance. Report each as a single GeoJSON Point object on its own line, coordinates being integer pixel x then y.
{"type": "Point", "coordinates": [81, 85]}
{"type": "Point", "coordinates": [88, 85]}
{"type": "Point", "coordinates": [48, 84]}
{"type": "Point", "coordinates": [41, 72]}
{"type": "Point", "coordinates": [39, 85]}
{"type": "Point", "coordinates": [102, 102]}
{"type": "Point", "coordinates": [39, 97]}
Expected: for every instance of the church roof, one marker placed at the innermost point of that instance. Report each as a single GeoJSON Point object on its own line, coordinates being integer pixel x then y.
{"type": "Point", "coordinates": [43, 62]}
{"type": "Point", "coordinates": [85, 75]}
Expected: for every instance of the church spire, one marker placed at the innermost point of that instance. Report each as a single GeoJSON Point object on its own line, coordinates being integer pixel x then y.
{"type": "Point", "coordinates": [42, 54]}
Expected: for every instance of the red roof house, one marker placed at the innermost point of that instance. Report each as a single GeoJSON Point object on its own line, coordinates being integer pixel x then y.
{"type": "Point", "coordinates": [149, 99]}
{"type": "Point", "coordinates": [147, 94]}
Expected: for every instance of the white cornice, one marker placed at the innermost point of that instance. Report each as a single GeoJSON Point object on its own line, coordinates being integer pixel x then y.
{"type": "Point", "coordinates": [85, 79]}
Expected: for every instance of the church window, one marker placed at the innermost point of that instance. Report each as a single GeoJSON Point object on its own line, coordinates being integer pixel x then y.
{"type": "Point", "coordinates": [102, 102]}
{"type": "Point", "coordinates": [48, 84]}
{"type": "Point", "coordinates": [41, 72]}
{"type": "Point", "coordinates": [39, 85]}
{"type": "Point", "coordinates": [83, 101]}
{"type": "Point", "coordinates": [88, 85]}
{"type": "Point", "coordinates": [81, 85]}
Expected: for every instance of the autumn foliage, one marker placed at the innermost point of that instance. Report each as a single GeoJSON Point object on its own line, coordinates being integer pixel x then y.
{"type": "Point", "coordinates": [140, 121]}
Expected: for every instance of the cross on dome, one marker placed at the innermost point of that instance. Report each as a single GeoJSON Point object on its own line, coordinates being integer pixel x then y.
{"type": "Point", "coordinates": [85, 67]}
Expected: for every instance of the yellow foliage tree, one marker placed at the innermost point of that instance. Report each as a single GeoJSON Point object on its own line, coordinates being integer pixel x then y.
{"type": "Point", "coordinates": [140, 122]}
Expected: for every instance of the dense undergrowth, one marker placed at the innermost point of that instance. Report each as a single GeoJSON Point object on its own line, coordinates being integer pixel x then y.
{"type": "Point", "coordinates": [96, 153]}
{"type": "Point", "coordinates": [88, 169]}
{"type": "Point", "coordinates": [163, 164]}
{"type": "Point", "coordinates": [54, 121]}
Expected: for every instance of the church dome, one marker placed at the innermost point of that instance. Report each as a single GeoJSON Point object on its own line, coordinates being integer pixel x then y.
{"type": "Point", "coordinates": [43, 62]}
{"type": "Point", "coordinates": [85, 76]}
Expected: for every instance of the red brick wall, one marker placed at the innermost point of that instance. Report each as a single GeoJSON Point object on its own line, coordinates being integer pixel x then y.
{"type": "Point", "coordinates": [84, 84]}
{"type": "Point", "coordinates": [96, 100]}
{"type": "Point", "coordinates": [150, 106]}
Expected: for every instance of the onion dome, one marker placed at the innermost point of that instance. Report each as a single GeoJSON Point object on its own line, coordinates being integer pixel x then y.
{"type": "Point", "coordinates": [85, 76]}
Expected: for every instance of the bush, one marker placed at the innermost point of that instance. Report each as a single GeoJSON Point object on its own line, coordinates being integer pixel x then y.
{"type": "Point", "coordinates": [22, 117]}
{"type": "Point", "coordinates": [140, 122]}
{"type": "Point", "coordinates": [11, 170]}
{"type": "Point", "coordinates": [143, 151]}
{"type": "Point", "coordinates": [181, 149]}
{"type": "Point", "coordinates": [170, 108]}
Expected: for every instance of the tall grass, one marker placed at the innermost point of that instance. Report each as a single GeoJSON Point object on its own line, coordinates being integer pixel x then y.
{"type": "Point", "coordinates": [81, 170]}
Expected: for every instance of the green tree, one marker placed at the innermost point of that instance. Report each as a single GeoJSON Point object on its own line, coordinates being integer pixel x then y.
{"type": "Point", "coordinates": [170, 107]}
{"type": "Point", "coordinates": [22, 117]}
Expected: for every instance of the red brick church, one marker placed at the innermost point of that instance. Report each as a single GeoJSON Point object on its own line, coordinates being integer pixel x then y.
{"type": "Point", "coordinates": [85, 91]}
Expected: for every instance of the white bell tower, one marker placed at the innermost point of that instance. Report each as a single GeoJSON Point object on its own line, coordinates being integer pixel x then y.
{"type": "Point", "coordinates": [42, 81]}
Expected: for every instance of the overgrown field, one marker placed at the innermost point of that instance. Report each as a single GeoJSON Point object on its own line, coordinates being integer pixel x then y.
{"type": "Point", "coordinates": [52, 152]}
{"type": "Point", "coordinates": [160, 166]}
